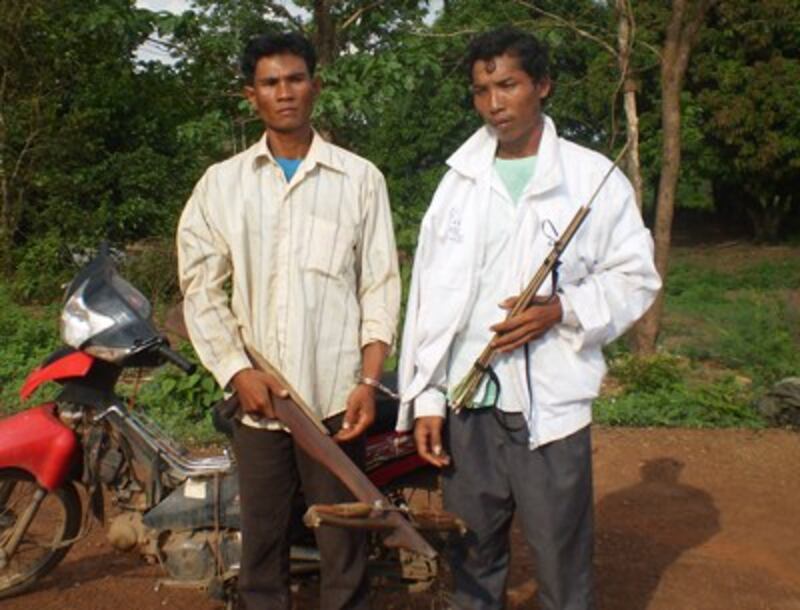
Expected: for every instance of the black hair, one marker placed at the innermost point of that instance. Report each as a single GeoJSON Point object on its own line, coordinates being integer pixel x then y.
{"type": "Point", "coordinates": [267, 45]}
{"type": "Point", "coordinates": [532, 53]}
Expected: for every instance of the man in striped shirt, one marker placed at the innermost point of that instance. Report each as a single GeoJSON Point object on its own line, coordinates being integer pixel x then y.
{"type": "Point", "coordinates": [299, 232]}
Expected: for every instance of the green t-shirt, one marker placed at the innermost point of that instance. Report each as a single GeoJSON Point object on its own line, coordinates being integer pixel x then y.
{"type": "Point", "coordinates": [515, 174]}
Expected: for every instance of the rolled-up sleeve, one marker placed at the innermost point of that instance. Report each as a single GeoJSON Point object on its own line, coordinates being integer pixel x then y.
{"type": "Point", "coordinates": [204, 267]}
{"type": "Point", "coordinates": [624, 281]}
{"type": "Point", "coordinates": [379, 280]}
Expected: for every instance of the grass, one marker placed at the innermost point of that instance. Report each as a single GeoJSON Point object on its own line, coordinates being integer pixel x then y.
{"type": "Point", "coordinates": [731, 329]}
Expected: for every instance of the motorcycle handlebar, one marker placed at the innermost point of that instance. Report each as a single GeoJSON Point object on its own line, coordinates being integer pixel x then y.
{"type": "Point", "coordinates": [176, 359]}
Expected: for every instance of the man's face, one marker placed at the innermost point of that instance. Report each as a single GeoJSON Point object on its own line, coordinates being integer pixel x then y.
{"type": "Point", "coordinates": [283, 92]}
{"type": "Point", "coordinates": [507, 98]}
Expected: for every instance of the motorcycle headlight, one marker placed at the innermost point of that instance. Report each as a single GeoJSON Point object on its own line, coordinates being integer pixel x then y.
{"type": "Point", "coordinates": [110, 354]}
{"type": "Point", "coordinates": [79, 323]}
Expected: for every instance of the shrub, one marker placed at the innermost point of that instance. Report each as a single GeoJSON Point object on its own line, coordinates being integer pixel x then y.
{"type": "Point", "coordinates": [43, 266]}
{"type": "Point", "coordinates": [151, 265]}
{"type": "Point", "coordinates": [181, 403]}
{"type": "Point", "coordinates": [27, 340]}
{"type": "Point", "coordinates": [648, 373]}
{"type": "Point", "coordinates": [724, 403]}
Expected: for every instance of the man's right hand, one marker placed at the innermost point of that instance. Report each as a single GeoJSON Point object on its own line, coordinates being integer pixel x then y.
{"type": "Point", "coordinates": [255, 389]}
{"type": "Point", "coordinates": [428, 437]}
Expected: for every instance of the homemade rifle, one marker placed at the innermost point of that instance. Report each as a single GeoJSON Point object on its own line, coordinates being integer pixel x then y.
{"type": "Point", "coordinates": [464, 392]}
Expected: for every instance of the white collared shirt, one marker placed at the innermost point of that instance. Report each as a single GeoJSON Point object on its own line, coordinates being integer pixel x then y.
{"type": "Point", "coordinates": [311, 267]}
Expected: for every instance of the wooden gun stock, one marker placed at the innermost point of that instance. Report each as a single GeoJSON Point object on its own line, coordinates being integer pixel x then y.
{"type": "Point", "coordinates": [311, 436]}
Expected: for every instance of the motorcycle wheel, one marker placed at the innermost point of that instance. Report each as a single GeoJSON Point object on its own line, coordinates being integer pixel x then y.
{"type": "Point", "coordinates": [57, 520]}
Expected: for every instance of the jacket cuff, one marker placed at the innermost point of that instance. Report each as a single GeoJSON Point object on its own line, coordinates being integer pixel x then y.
{"type": "Point", "coordinates": [431, 402]}
{"type": "Point", "coordinates": [591, 315]}
{"type": "Point", "coordinates": [568, 316]}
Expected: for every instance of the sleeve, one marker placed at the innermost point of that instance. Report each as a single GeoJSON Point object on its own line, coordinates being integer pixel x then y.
{"type": "Point", "coordinates": [204, 267]}
{"type": "Point", "coordinates": [379, 280]}
{"type": "Point", "coordinates": [622, 281]}
{"type": "Point", "coordinates": [568, 316]}
{"type": "Point", "coordinates": [433, 399]}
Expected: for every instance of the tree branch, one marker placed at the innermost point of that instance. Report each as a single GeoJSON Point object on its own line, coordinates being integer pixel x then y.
{"type": "Point", "coordinates": [278, 10]}
{"type": "Point", "coordinates": [424, 34]}
{"type": "Point", "coordinates": [570, 25]}
{"type": "Point", "coordinates": [352, 18]}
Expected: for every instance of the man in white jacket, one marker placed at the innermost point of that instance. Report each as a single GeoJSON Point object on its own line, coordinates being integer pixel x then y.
{"type": "Point", "coordinates": [524, 445]}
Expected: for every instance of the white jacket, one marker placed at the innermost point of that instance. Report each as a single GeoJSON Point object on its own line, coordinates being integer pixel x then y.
{"type": "Point", "coordinates": [606, 274]}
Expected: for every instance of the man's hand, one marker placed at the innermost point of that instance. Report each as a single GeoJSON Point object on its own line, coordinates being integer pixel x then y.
{"type": "Point", "coordinates": [359, 415]}
{"type": "Point", "coordinates": [428, 437]}
{"type": "Point", "coordinates": [255, 389]}
{"type": "Point", "coordinates": [527, 325]}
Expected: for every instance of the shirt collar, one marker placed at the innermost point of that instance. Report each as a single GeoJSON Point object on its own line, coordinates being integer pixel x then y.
{"type": "Point", "coordinates": [319, 153]}
{"type": "Point", "coordinates": [476, 156]}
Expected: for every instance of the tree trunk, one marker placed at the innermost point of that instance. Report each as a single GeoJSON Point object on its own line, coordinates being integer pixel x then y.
{"type": "Point", "coordinates": [768, 218]}
{"type": "Point", "coordinates": [682, 31]}
{"type": "Point", "coordinates": [6, 214]}
{"type": "Point", "coordinates": [324, 32]}
{"type": "Point", "coordinates": [624, 45]}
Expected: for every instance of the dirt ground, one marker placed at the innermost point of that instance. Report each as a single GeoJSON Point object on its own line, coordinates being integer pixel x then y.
{"type": "Point", "coordinates": [685, 519]}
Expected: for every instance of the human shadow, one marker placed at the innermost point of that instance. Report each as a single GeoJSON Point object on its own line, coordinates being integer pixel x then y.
{"type": "Point", "coordinates": [642, 529]}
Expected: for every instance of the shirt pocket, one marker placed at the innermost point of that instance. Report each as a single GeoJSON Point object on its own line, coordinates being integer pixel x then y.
{"type": "Point", "coordinates": [329, 247]}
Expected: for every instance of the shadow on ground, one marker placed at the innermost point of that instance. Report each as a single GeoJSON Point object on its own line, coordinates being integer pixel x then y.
{"type": "Point", "coordinates": [644, 528]}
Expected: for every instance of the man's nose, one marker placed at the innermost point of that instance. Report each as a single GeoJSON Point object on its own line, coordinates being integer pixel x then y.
{"type": "Point", "coordinates": [284, 90]}
{"type": "Point", "coordinates": [495, 101]}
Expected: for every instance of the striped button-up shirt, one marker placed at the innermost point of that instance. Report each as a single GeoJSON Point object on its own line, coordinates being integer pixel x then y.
{"type": "Point", "coordinates": [305, 272]}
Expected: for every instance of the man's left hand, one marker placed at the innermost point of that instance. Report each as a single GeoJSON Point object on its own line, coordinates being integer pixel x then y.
{"type": "Point", "coordinates": [527, 325]}
{"type": "Point", "coordinates": [359, 415]}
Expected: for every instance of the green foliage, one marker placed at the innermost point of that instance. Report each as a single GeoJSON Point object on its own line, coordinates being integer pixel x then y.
{"type": "Point", "coordinates": [748, 83]}
{"type": "Point", "coordinates": [41, 270]}
{"type": "Point", "coordinates": [181, 403]}
{"type": "Point", "coordinates": [27, 340]}
{"type": "Point", "coordinates": [732, 332]}
{"type": "Point", "coordinates": [648, 373]}
{"type": "Point", "coordinates": [96, 145]}
{"type": "Point", "coordinates": [720, 404]}
{"type": "Point", "coordinates": [755, 336]}
{"type": "Point", "coordinates": [665, 390]}
{"type": "Point", "coordinates": [151, 266]}
{"type": "Point", "coordinates": [740, 318]}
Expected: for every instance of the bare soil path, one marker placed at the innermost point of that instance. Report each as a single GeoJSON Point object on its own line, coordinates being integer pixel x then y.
{"type": "Point", "coordinates": [685, 519]}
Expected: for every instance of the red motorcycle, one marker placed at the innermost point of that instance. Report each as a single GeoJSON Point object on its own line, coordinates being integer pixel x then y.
{"type": "Point", "coordinates": [178, 510]}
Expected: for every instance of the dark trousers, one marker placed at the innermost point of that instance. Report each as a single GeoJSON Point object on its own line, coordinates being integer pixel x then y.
{"type": "Point", "coordinates": [270, 468]}
{"type": "Point", "coordinates": [495, 475]}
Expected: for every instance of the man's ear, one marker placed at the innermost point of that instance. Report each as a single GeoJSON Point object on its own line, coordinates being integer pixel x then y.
{"type": "Point", "coordinates": [316, 86]}
{"type": "Point", "coordinates": [249, 93]}
{"type": "Point", "coordinates": [544, 85]}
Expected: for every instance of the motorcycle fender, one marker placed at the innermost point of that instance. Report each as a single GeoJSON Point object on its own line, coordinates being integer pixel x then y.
{"type": "Point", "coordinates": [74, 364]}
{"type": "Point", "coordinates": [37, 442]}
